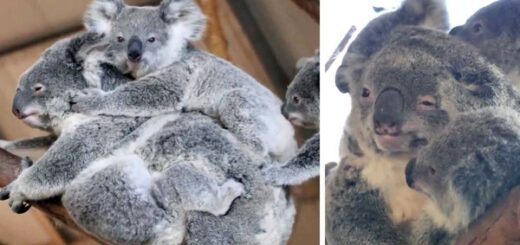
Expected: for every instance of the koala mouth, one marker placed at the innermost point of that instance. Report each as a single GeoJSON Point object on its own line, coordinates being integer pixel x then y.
{"type": "Point", "coordinates": [399, 143]}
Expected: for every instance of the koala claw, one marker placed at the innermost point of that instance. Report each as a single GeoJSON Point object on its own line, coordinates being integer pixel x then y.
{"type": "Point", "coordinates": [19, 206]}
{"type": "Point", "coordinates": [26, 163]}
{"type": "Point", "coordinates": [4, 193]}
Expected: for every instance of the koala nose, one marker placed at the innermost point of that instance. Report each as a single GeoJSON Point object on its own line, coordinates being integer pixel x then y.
{"type": "Point", "coordinates": [409, 171]}
{"type": "Point", "coordinates": [388, 112]}
{"type": "Point", "coordinates": [283, 109]}
{"type": "Point", "coordinates": [456, 30]}
{"type": "Point", "coordinates": [17, 105]}
{"type": "Point", "coordinates": [135, 49]}
{"type": "Point", "coordinates": [17, 112]}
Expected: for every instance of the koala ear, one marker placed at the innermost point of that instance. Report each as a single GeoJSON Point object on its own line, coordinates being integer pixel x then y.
{"type": "Point", "coordinates": [186, 13]}
{"type": "Point", "coordinates": [79, 47]}
{"type": "Point", "coordinates": [100, 15]}
{"type": "Point", "coordinates": [341, 81]}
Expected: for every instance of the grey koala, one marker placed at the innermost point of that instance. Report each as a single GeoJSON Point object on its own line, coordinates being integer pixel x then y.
{"type": "Point", "coordinates": [133, 180]}
{"type": "Point", "coordinates": [302, 108]}
{"type": "Point", "coordinates": [409, 92]}
{"type": "Point", "coordinates": [494, 30]}
{"type": "Point", "coordinates": [153, 44]}
{"type": "Point", "coordinates": [467, 168]}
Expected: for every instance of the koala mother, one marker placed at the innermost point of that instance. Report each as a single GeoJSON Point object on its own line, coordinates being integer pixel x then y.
{"type": "Point", "coordinates": [107, 201]}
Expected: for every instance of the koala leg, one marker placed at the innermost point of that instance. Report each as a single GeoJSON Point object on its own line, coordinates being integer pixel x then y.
{"type": "Point", "coordinates": [42, 142]}
{"type": "Point", "coordinates": [356, 213]}
{"type": "Point", "coordinates": [305, 165]}
{"type": "Point", "coordinates": [196, 190]}
{"type": "Point", "coordinates": [112, 199]}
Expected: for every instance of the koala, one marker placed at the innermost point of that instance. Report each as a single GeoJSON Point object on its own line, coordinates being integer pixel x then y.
{"type": "Point", "coordinates": [408, 92]}
{"type": "Point", "coordinates": [467, 168]}
{"type": "Point", "coordinates": [113, 170]}
{"type": "Point", "coordinates": [302, 108]}
{"type": "Point", "coordinates": [153, 44]}
{"type": "Point", "coordinates": [494, 31]}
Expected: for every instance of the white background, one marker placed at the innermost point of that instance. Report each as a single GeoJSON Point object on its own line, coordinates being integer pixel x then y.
{"type": "Point", "coordinates": [337, 16]}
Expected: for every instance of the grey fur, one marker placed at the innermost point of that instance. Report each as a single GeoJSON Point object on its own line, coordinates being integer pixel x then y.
{"type": "Point", "coordinates": [469, 167]}
{"type": "Point", "coordinates": [132, 180]}
{"type": "Point", "coordinates": [179, 77]}
{"type": "Point", "coordinates": [423, 65]}
{"type": "Point", "coordinates": [495, 31]}
{"type": "Point", "coordinates": [303, 111]}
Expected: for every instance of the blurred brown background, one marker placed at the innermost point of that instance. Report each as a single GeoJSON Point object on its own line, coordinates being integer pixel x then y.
{"type": "Point", "coordinates": [263, 37]}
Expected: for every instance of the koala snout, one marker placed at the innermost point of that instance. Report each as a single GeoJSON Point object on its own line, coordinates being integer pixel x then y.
{"type": "Point", "coordinates": [409, 172]}
{"type": "Point", "coordinates": [135, 49]}
{"type": "Point", "coordinates": [18, 105]}
{"type": "Point", "coordinates": [283, 109]}
{"type": "Point", "coordinates": [388, 112]}
{"type": "Point", "coordinates": [456, 30]}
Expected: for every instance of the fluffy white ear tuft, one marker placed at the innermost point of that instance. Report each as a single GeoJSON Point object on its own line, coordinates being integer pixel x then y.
{"type": "Point", "coordinates": [100, 15]}
{"type": "Point", "coordinates": [186, 13]}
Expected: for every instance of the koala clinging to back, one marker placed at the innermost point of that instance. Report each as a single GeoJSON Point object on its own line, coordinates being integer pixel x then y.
{"type": "Point", "coordinates": [153, 44]}
{"type": "Point", "coordinates": [495, 31]}
{"type": "Point", "coordinates": [468, 168]}
{"type": "Point", "coordinates": [302, 107]}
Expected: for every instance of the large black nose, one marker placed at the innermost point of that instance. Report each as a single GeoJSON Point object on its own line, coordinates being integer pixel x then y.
{"type": "Point", "coordinates": [388, 114]}
{"type": "Point", "coordinates": [283, 109]}
{"type": "Point", "coordinates": [409, 172]}
{"type": "Point", "coordinates": [135, 49]}
{"type": "Point", "coordinates": [17, 105]}
{"type": "Point", "coordinates": [456, 30]}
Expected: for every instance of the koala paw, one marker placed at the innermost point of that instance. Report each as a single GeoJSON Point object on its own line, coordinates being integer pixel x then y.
{"type": "Point", "coordinates": [86, 100]}
{"type": "Point", "coordinates": [230, 190]}
{"type": "Point", "coordinates": [17, 202]}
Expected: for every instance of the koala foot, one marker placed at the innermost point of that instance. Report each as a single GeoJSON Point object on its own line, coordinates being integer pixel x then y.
{"type": "Point", "coordinates": [85, 100]}
{"type": "Point", "coordinates": [228, 192]}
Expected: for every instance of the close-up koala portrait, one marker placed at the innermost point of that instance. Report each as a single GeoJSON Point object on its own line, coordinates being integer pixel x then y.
{"type": "Point", "coordinates": [430, 143]}
{"type": "Point", "coordinates": [159, 122]}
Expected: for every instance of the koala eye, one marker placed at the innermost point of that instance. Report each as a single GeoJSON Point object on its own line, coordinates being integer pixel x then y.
{"type": "Point", "coordinates": [296, 100]}
{"type": "Point", "coordinates": [151, 39]}
{"type": "Point", "coordinates": [477, 27]}
{"type": "Point", "coordinates": [426, 103]}
{"type": "Point", "coordinates": [38, 89]}
{"type": "Point", "coordinates": [120, 39]}
{"type": "Point", "coordinates": [431, 171]}
{"type": "Point", "coordinates": [365, 93]}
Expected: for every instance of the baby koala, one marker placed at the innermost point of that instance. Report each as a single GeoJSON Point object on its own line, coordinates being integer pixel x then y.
{"type": "Point", "coordinates": [153, 45]}
{"type": "Point", "coordinates": [302, 108]}
{"type": "Point", "coordinates": [467, 169]}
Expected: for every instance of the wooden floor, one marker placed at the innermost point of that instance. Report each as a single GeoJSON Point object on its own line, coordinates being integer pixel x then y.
{"type": "Point", "coordinates": [13, 228]}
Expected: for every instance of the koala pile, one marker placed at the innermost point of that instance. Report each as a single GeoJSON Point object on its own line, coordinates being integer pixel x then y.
{"type": "Point", "coordinates": [432, 139]}
{"type": "Point", "coordinates": [153, 141]}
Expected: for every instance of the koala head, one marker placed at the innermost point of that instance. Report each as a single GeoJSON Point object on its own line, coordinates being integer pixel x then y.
{"type": "Point", "coordinates": [463, 165]}
{"type": "Point", "coordinates": [144, 39]}
{"type": "Point", "coordinates": [43, 87]}
{"type": "Point", "coordinates": [494, 31]}
{"type": "Point", "coordinates": [302, 104]}
{"type": "Point", "coordinates": [415, 84]}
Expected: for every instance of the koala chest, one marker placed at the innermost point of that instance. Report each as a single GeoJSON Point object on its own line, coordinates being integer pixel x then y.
{"type": "Point", "coordinates": [388, 177]}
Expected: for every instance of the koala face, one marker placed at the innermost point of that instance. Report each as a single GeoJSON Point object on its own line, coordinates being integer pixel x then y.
{"type": "Point", "coordinates": [144, 39]}
{"type": "Point", "coordinates": [494, 31]}
{"type": "Point", "coordinates": [302, 104]}
{"type": "Point", "coordinates": [414, 85]}
{"type": "Point", "coordinates": [464, 168]}
{"type": "Point", "coordinates": [46, 83]}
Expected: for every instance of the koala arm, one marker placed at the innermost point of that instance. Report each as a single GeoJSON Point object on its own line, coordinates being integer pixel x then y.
{"type": "Point", "coordinates": [305, 165]}
{"type": "Point", "coordinates": [112, 78]}
{"type": "Point", "coordinates": [356, 213]}
{"type": "Point", "coordinates": [148, 96]}
{"type": "Point", "coordinates": [42, 142]}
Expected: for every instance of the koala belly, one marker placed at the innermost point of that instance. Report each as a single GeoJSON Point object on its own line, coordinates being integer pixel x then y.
{"type": "Point", "coordinates": [388, 177]}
